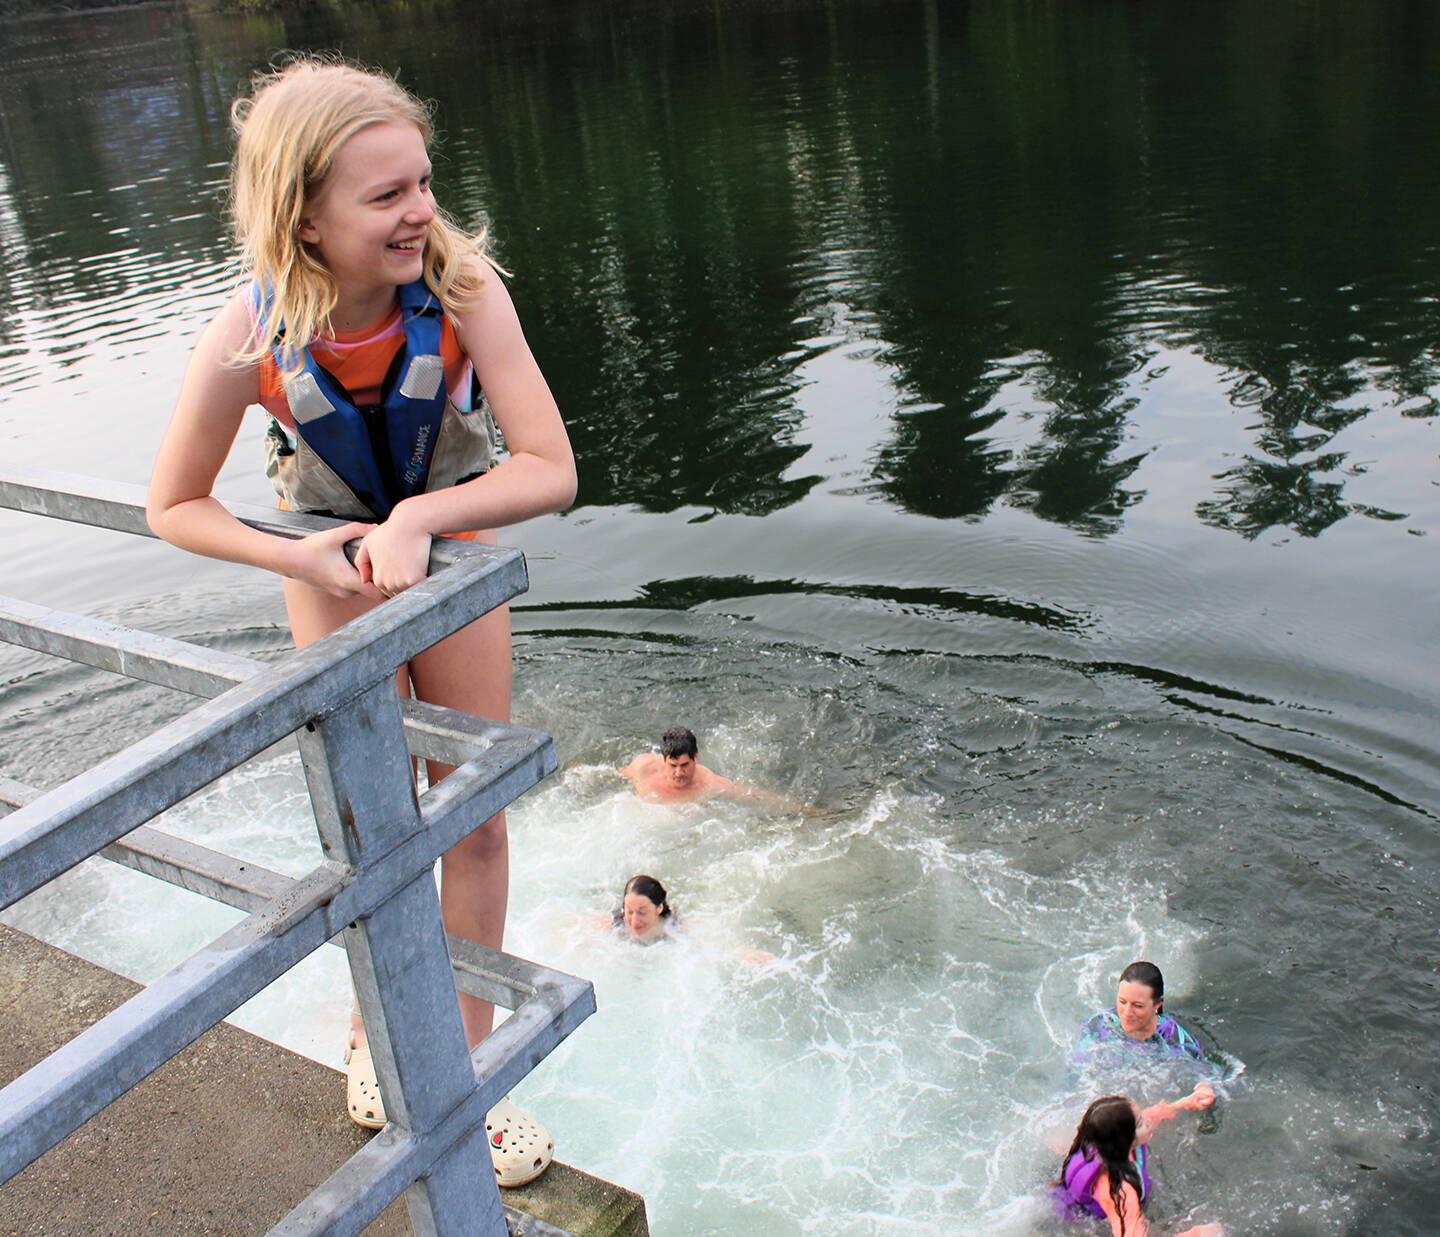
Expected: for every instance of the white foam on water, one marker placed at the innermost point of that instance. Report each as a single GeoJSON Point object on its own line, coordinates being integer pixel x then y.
{"type": "Point", "coordinates": [890, 1067]}
{"type": "Point", "coordinates": [897, 1067]}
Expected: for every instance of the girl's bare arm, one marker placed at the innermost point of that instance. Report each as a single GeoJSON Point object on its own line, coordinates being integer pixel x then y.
{"type": "Point", "coordinates": [538, 475]}
{"type": "Point", "coordinates": [180, 506]}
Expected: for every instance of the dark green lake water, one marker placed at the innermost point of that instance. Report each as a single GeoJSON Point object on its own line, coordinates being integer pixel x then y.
{"type": "Point", "coordinates": [1011, 425]}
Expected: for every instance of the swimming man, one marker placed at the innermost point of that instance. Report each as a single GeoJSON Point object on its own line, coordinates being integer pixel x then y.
{"type": "Point", "coordinates": [675, 772]}
{"type": "Point", "coordinates": [675, 775]}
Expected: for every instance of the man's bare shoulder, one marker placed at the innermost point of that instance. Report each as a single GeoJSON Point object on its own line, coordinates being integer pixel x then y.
{"type": "Point", "coordinates": [640, 766]}
{"type": "Point", "coordinates": [713, 782]}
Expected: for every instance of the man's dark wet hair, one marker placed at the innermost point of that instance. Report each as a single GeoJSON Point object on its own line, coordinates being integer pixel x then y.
{"type": "Point", "coordinates": [677, 741]}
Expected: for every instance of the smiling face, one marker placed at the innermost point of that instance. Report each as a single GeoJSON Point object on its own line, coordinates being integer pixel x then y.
{"type": "Point", "coordinates": [369, 220]}
{"type": "Point", "coordinates": [1138, 1009]}
{"type": "Point", "coordinates": [642, 916]}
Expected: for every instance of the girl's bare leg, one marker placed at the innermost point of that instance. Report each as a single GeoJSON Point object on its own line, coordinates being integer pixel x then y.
{"type": "Point", "coordinates": [313, 614]}
{"type": "Point", "coordinates": [469, 671]}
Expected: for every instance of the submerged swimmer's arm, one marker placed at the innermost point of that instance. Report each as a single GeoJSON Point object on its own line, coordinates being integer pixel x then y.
{"type": "Point", "coordinates": [635, 768]}
{"type": "Point", "coordinates": [1202, 1097]}
{"type": "Point", "coordinates": [774, 800]}
{"type": "Point", "coordinates": [537, 476]}
{"type": "Point", "coordinates": [180, 507]}
{"type": "Point", "coordinates": [1216, 1069]}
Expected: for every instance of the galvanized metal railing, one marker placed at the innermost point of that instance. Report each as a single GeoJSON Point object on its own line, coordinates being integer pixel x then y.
{"type": "Point", "coordinates": [374, 885]}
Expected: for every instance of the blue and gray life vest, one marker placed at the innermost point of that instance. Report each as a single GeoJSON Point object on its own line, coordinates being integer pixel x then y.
{"type": "Point", "coordinates": [358, 462]}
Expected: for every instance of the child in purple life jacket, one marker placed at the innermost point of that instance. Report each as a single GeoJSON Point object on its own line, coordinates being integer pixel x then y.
{"type": "Point", "coordinates": [1104, 1173]}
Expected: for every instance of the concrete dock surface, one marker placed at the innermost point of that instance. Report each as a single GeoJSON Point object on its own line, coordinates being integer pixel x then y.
{"type": "Point", "coordinates": [222, 1141]}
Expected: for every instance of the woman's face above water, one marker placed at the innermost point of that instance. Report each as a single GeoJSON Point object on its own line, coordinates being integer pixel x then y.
{"type": "Point", "coordinates": [642, 916]}
{"type": "Point", "coordinates": [1138, 1009]}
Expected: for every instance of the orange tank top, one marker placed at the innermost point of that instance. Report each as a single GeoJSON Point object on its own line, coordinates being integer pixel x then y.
{"type": "Point", "coordinates": [359, 361]}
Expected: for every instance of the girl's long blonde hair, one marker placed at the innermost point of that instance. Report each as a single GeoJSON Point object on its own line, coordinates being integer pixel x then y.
{"type": "Point", "coordinates": [289, 129]}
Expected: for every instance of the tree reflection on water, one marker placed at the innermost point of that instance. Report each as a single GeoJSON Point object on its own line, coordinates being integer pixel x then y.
{"type": "Point", "coordinates": [1014, 209]}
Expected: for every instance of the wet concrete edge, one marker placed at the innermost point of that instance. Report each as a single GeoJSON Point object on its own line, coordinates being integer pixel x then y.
{"type": "Point", "coordinates": [223, 1140]}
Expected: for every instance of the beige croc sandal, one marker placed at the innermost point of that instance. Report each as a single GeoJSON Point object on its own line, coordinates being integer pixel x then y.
{"type": "Point", "coordinates": [520, 1148]}
{"type": "Point", "coordinates": [362, 1088]}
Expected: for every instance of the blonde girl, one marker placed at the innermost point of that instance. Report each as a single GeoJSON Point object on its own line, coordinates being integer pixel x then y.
{"type": "Point", "coordinates": [337, 223]}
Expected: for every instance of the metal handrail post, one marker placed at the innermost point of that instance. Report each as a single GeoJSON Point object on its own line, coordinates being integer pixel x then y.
{"type": "Point", "coordinates": [374, 886]}
{"type": "Point", "coordinates": [359, 773]}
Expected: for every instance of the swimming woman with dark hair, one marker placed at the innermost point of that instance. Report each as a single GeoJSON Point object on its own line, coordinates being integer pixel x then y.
{"type": "Point", "coordinates": [645, 912]}
{"type": "Point", "coordinates": [1104, 1174]}
{"type": "Point", "coordinates": [1138, 1016]}
{"type": "Point", "coordinates": [646, 916]}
